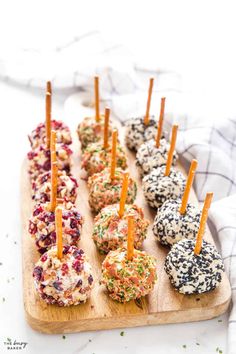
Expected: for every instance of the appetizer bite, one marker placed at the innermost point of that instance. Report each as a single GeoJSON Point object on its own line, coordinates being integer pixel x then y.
{"type": "Point", "coordinates": [63, 275]}
{"type": "Point", "coordinates": [66, 187]}
{"type": "Point", "coordinates": [141, 129]}
{"type": "Point", "coordinates": [97, 156]}
{"type": "Point", "coordinates": [195, 267]}
{"type": "Point", "coordinates": [128, 273]}
{"type": "Point", "coordinates": [111, 226]}
{"type": "Point", "coordinates": [165, 182]}
{"type": "Point", "coordinates": [91, 129]}
{"type": "Point", "coordinates": [178, 219]}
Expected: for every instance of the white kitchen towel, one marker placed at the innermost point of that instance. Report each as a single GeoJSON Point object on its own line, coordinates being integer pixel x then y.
{"type": "Point", "coordinates": [123, 86]}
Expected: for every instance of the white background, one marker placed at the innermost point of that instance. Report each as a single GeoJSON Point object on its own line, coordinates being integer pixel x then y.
{"type": "Point", "coordinates": [195, 38]}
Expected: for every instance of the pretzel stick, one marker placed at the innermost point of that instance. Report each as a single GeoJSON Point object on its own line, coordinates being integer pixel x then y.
{"type": "Point", "coordinates": [49, 87]}
{"type": "Point", "coordinates": [48, 119]}
{"type": "Point", "coordinates": [106, 126]}
{"type": "Point", "coordinates": [188, 186]}
{"type": "Point", "coordinates": [146, 118]}
{"type": "Point", "coordinates": [58, 216]}
{"type": "Point", "coordinates": [123, 195]}
{"type": "Point", "coordinates": [113, 154]}
{"type": "Point", "coordinates": [96, 92]}
{"type": "Point", "coordinates": [172, 149]}
{"type": "Point", "coordinates": [201, 230]}
{"type": "Point", "coordinates": [160, 122]}
{"type": "Point", "coordinates": [53, 146]}
{"type": "Point", "coordinates": [130, 238]}
{"type": "Point", "coordinates": [54, 177]}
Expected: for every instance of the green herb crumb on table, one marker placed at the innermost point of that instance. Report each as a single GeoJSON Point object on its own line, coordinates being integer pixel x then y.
{"type": "Point", "coordinates": [122, 334]}
{"type": "Point", "coordinates": [64, 337]}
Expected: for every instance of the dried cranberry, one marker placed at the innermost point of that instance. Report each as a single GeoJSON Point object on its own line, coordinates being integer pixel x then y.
{"type": "Point", "coordinates": [57, 285]}
{"type": "Point", "coordinates": [37, 273]}
{"type": "Point", "coordinates": [37, 211]}
{"type": "Point", "coordinates": [79, 283]}
{"type": "Point", "coordinates": [31, 155]}
{"type": "Point", "coordinates": [47, 165]}
{"type": "Point", "coordinates": [64, 268]}
{"type": "Point", "coordinates": [73, 224]}
{"type": "Point", "coordinates": [53, 236]}
{"type": "Point", "coordinates": [51, 217]}
{"type": "Point", "coordinates": [90, 279]}
{"type": "Point", "coordinates": [32, 228]}
{"type": "Point", "coordinates": [78, 266]}
{"type": "Point", "coordinates": [78, 253]}
{"type": "Point", "coordinates": [66, 249]}
{"type": "Point", "coordinates": [44, 258]}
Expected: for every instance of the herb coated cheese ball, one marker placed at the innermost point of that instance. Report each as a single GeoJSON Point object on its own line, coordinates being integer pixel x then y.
{"type": "Point", "coordinates": [110, 230]}
{"type": "Point", "coordinates": [40, 160]}
{"type": "Point", "coordinates": [158, 188]}
{"type": "Point", "coordinates": [95, 158]}
{"type": "Point", "coordinates": [43, 230]}
{"type": "Point", "coordinates": [149, 156]}
{"type": "Point", "coordinates": [89, 131]}
{"type": "Point", "coordinates": [38, 135]}
{"type": "Point", "coordinates": [194, 274]}
{"type": "Point", "coordinates": [66, 187]}
{"type": "Point", "coordinates": [170, 226]}
{"type": "Point", "coordinates": [137, 132]}
{"type": "Point", "coordinates": [63, 282]}
{"type": "Point", "coordinates": [103, 191]}
{"type": "Point", "coordinates": [128, 279]}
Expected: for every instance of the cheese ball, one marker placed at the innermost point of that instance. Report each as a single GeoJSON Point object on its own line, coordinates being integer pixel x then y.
{"type": "Point", "coordinates": [128, 279]}
{"type": "Point", "coordinates": [149, 156]}
{"type": "Point", "coordinates": [42, 226]}
{"type": "Point", "coordinates": [194, 274]}
{"type": "Point", "coordinates": [63, 282]}
{"type": "Point", "coordinates": [66, 187]}
{"type": "Point", "coordinates": [137, 132]}
{"type": "Point", "coordinates": [110, 231]}
{"type": "Point", "coordinates": [95, 158]}
{"type": "Point", "coordinates": [40, 160]}
{"type": "Point", "coordinates": [158, 188]}
{"type": "Point", "coordinates": [89, 131]}
{"type": "Point", "coordinates": [170, 226]}
{"type": "Point", "coordinates": [103, 191]}
{"type": "Point", "coordinates": [38, 135]}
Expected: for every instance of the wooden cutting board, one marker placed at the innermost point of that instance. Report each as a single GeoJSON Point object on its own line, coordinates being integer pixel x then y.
{"type": "Point", "coordinates": [163, 305]}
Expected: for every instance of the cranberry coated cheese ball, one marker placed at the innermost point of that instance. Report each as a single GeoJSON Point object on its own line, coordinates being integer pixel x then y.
{"type": "Point", "coordinates": [170, 226]}
{"type": "Point", "coordinates": [95, 158]}
{"type": "Point", "coordinates": [158, 188]}
{"type": "Point", "coordinates": [137, 132]}
{"type": "Point", "coordinates": [66, 187]}
{"type": "Point", "coordinates": [128, 279]}
{"type": "Point", "coordinates": [103, 191]}
{"type": "Point", "coordinates": [194, 274]}
{"type": "Point", "coordinates": [43, 230]}
{"type": "Point", "coordinates": [40, 160]}
{"type": "Point", "coordinates": [149, 156]}
{"type": "Point", "coordinates": [63, 282]}
{"type": "Point", "coordinates": [110, 230]}
{"type": "Point", "coordinates": [38, 135]}
{"type": "Point", "coordinates": [90, 131]}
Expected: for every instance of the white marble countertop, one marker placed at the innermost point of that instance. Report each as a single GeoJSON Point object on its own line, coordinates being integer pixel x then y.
{"type": "Point", "coordinates": [20, 111]}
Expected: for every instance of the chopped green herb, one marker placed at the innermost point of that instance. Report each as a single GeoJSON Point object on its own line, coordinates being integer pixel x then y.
{"type": "Point", "coordinates": [0, 263]}
{"type": "Point", "coordinates": [184, 346]}
{"type": "Point", "coordinates": [219, 320]}
{"type": "Point", "coordinates": [3, 299]}
{"type": "Point", "coordinates": [9, 339]}
{"type": "Point", "coordinates": [15, 242]}
{"type": "Point", "coordinates": [122, 334]}
{"type": "Point", "coordinates": [90, 340]}
{"type": "Point", "coordinates": [197, 343]}
{"type": "Point", "coordinates": [64, 337]}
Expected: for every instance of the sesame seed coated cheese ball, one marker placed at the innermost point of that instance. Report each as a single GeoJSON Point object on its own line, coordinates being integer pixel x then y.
{"type": "Point", "coordinates": [170, 226]}
{"type": "Point", "coordinates": [149, 156]}
{"type": "Point", "coordinates": [38, 135]}
{"type": "Point", "coordinates": [103, 191]}
{"type": "Point", "coordinates": [43, 230]}
{"type": "Point", "coordinates": [128, 279]}
{"type": "Point", "coordinates": [63, 282]}
{"type": "Point", "coordinates": [194, 274]}
{"type": "Point", "coordinates": [110, 230]}
{"type": "Point", "coordinates": [95, 158]}
{"type": "Point", "coordinates": [158, 188]}
{"type": "Point", "coordinates": [66, 187]}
